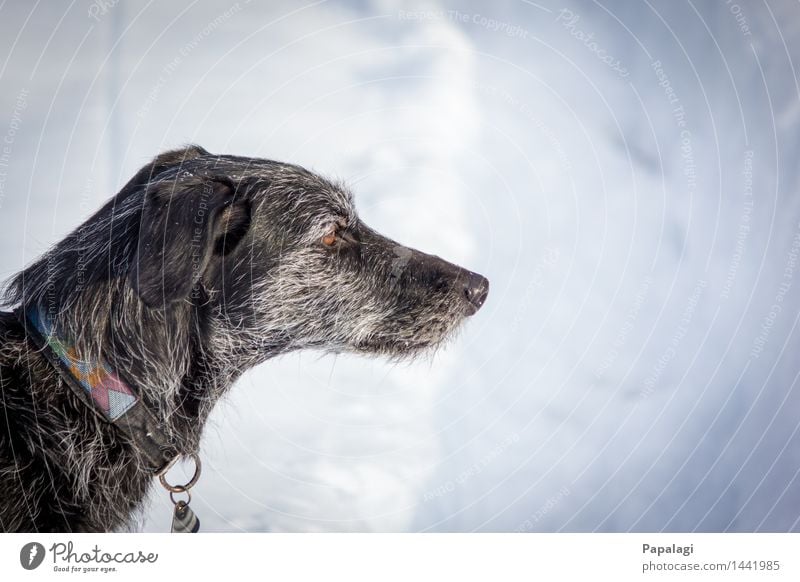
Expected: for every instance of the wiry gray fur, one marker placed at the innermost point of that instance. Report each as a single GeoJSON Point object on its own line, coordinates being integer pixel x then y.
{"type": "Point", "coordinates": [200, 268]}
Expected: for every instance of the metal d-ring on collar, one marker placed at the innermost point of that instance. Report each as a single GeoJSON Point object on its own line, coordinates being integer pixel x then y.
{"type": "Point", "coordinates": [162, 474]}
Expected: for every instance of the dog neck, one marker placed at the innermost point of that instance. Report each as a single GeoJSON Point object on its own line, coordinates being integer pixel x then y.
{"type": "Point", "coordinates": [163, 356]}
{"type": "Point", "coordinates": [101, 388]}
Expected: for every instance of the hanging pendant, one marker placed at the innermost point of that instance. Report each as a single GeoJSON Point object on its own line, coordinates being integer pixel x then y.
{"type": "Point", "coordinates": [184, 519]}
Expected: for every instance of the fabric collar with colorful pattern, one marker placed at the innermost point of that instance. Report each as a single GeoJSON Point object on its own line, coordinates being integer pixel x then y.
{"type": "Point", "coordinates": [102, 388]}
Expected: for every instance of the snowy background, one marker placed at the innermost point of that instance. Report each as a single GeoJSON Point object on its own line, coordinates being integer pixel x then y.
{"type": "Point", "coordinates": [625, 174]}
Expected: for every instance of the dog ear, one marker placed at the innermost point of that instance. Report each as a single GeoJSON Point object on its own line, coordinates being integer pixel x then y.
{"type": "Point", "coordinates": [163, 161]}
{"type": "Point", "coordinates": [185, 224]}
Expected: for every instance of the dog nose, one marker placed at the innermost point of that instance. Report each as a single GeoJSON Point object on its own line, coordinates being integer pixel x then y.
{"type": "Point", "coordinates": [476, 290]}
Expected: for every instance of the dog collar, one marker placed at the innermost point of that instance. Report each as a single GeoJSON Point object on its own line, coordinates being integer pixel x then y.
{"type": "Point", "coordinates": [104, 391]}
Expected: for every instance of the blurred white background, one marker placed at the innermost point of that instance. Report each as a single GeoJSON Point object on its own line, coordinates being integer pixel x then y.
{"type": "Point", "coordinates": [625, 174]}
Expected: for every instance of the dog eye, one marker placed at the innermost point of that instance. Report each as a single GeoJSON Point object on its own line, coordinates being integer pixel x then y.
{"type": "Point", "coordinates": [331, 238]}
{"type": "Point", "coordinates": [339, 236]}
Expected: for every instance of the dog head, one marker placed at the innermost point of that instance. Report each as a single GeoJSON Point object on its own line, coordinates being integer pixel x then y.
{"type": "Point", "coordinates": [283, 257]}
{"type": "Point", "coordinates": [273, 254]}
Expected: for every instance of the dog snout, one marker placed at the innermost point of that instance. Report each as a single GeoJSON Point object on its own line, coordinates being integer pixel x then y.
{"type": "Point", "coordinates": [471, 288]}
{"type": "Point", "coordinates": [476, 290]}
{"type": "Point", "coordinates": [433, 275]}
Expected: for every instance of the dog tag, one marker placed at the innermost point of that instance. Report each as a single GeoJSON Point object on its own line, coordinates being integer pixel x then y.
{"type": "Point", "coordinates": [184, 520]}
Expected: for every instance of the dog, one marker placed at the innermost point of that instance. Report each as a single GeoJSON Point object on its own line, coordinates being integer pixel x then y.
{"type": "Point", "coordinates": [200, 268]}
